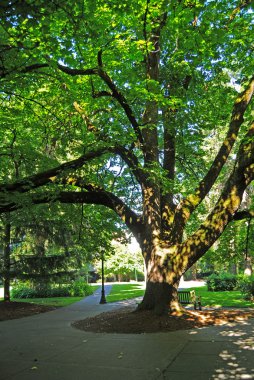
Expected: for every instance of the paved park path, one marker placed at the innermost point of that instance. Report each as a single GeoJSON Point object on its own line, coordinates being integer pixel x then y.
{"type": "Point", "coordinates": [46, 347]}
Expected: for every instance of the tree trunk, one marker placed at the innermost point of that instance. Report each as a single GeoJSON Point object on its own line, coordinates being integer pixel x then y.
{"type": "Point", "coordinates": [161, 297]}
{"type": "Point", "coordinates": [248, 266]}
{"type": "Point", "coordinates": [233, 268]}
{"type": "Point", "coordinates": [161, 288]}
{"type": "Point", "coordinates": [194, 270]}
{"type": "Point", "coordinates": [7, 259]}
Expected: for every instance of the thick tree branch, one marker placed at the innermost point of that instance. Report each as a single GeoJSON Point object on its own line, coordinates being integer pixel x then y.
{"type": "Point", "coordinates": [151, 189]}
{"type": "Point", "coordinates": [123, 102]}
{"type": "Point", "coordinates": [131, 160]}
{"type": "Point", "coordinates": [152, 59]}
{"type": "Point", "coordinates": [64, 69]}
{"type": "Point", "coordinates": [59, 173]}
{"type": "Point", "coordinates": [93, 71]}
{"type": "Point", "coordinates": [36, 66]}
{"type": "Point", "coordinates": [169, 159]}
{"type": "Point", "coordinates": [105, 198]}
{"type": "Point", "coordinates": [244, 214]}
{"type": "Point", "coordinates": [246, 150]}
{"type": "Point", "coordinates": [169, 143]}
{"type": "Point", "coordinates": [51, 175]}
{"type": "Point", "coordinates": [190, 203]}
{"type": "Point", "coordinates": [127, 155]}
{"type": "Point", "coordinates": [227, 206]}
{"type": "Point", "coordinates": [242, 4]}
{"type": "Point", "coordinates": [94, 195]}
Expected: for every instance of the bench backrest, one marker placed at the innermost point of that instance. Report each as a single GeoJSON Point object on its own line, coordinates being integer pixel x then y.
{"type": "Point", "coordinates": [187, 296]}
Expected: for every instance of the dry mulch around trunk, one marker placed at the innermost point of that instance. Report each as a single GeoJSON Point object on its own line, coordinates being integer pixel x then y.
{"type": "Point", "coordinates": [127, 321]}
{"type": "Point", "coordinates": [15, 310]}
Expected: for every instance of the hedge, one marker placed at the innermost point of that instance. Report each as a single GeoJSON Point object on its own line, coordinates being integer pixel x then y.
{"type": "Point", "coordinates": [74, 289]}
{"type": "Point", "coordinates": [221, 282]}
{"type": "Point", "coordinates": [246, 286]}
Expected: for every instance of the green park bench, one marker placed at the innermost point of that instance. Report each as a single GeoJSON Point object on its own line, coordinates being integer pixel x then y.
{"type": "Point", "coordinates": [186, 297]}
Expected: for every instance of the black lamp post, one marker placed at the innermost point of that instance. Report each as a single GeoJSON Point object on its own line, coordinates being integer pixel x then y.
{"type": "Point", "coordinates": [103, 298]}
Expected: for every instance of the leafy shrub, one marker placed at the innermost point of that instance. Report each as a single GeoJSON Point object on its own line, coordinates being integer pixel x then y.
{"type": "Point", "coordinates": [221, 282]}
{"type": "Point", "coordinates": [74, 289]}
{"type": "Point", "coordinates": [246, 286]}
{"type": "Point", "coordinates": [79, 288]}
{"type": "Point", "coordinates": [61, 291]}
{"type": "Point", "coordinates": [23, 292]}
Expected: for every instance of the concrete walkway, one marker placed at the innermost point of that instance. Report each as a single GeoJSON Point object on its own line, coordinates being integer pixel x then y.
{"type": "Point", "coordinates": [46, 347]}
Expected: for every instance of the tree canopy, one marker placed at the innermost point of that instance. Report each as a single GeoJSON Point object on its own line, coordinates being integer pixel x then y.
{"type": "Point", "coordinates": [139, 106]}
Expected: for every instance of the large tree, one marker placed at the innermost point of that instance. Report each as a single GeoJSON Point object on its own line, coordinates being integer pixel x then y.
{"type": "Point", "coordinates": [139, 106]}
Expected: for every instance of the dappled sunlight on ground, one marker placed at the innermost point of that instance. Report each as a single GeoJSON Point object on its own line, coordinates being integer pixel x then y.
{"type": "Point", "coordinates": [236, 357]}
{"type": "Point", "coordinates": [221, 316]}
{"type": "Point", "coordinates": [125, 320]}
{"type": "Point", "coordinates": [246, 344]}
{"type": "Point", "coordinates": [233, 333]}
{"type": "Point", "coordinates": [235, 364]}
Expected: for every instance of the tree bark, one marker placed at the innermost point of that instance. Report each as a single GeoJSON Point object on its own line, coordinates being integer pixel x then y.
{"type": "Point", "coordinates": [161, 297]}
{"type": "Point", "coordinates": [7, 259]}
{"type": "Point", "coordinates": [248, 270]}
{"type": "Point", "coordinates": [161, 284]}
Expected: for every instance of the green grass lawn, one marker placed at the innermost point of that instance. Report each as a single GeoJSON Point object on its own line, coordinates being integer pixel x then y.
{"type": "Point", "coordinates": [216, 299]}
{"type": "Point", "coordinates": [125, 291]}
{"type": "Point", "coordinates": [131, 290]}
{"type": "Point", "coordinates": [232, 298]}
{"type": "Point", "coordinates": [52, 301]}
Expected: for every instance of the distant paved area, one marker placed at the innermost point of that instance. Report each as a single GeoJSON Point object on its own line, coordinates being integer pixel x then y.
{"type": "Point", "coordinates": [191, 284]}
{"type": "Point", "coordinates": [46, 347]}
{"type": "Point", "coordinates": [2, 294]}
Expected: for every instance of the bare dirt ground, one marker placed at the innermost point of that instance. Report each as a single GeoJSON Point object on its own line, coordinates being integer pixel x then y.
{"type": "Point", "coordinates": [126, 320]}
{"type": "Point", "coordinates": [14, 310]}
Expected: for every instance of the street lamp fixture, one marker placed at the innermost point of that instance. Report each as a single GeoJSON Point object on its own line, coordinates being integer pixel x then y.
{"type": "Point", "coordinates": [103, 298]}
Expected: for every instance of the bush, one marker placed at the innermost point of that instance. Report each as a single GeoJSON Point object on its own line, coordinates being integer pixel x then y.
{"type": "Point", "coordinates": [60, 291]}
{"type": "Point", "coordinates": [21, 291]}
{"type": "Point", "coordinates": [79, 288]}
{"type": "Point", "coordinates": [221, 282]}
{"type": "Point", "coordinates": [74, 289]}
{"type": "Point", "coordinates": [246, 286]}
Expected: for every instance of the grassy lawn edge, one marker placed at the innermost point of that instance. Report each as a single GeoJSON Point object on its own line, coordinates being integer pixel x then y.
{"type": "Point", "coordinates": [231, 299]}
{"type": "Point", "coordinates": [121, 292]}
{"type": "Point", "coordinates": [52, 301]}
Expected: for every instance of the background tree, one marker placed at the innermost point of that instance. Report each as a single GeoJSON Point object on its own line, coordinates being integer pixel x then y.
{"type": "Point", "coordinates": [124, 263]}
{"type": "Point", "coordinates": [5, 261]}
{"type": "Point", "coordinates": [142, 87]}
{"type": "Point", "coordinates": [45, 245]}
